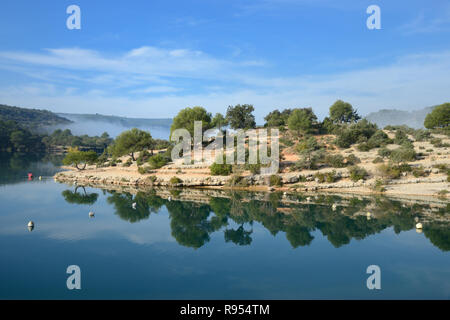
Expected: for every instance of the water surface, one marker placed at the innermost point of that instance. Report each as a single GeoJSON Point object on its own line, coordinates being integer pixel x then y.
{"type": "Point", "coordinates": [221, 246]}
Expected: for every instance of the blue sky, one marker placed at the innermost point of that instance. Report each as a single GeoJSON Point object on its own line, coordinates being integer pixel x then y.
{"type": "Point", "coordinates": [152, 58]}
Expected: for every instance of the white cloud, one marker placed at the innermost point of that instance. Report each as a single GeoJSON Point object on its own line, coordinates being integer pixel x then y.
{"type": "Point", "coordinates": [412, 81]}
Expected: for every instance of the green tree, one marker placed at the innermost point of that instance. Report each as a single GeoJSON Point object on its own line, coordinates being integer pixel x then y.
{"type": "Point", "coordinates": [343, 112]}
{"type": "Point", "coordinates": [132, 141]}
{"type": "Point", "coordinates": [302, 120]}
{"type": "Point", "coordinates": [439, 117]}
{"type": "Point", "coordinates": [186, 117]}
{"type": "Point", "coordinates": [241, 116]}
{"type": "Point", "coordinates": [219, 121]}
{"type": "Point", "coordinates": [78, 158]}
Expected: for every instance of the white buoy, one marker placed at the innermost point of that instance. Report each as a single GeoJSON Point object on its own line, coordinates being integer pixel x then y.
{"type": "Point", "coordinates": [308, 199]}
{"type": "Point", "coordinates": [169, 198]}
{"type": "Point", "coordinates": [91, 214]}
{"type": "Point", "coordinates": [419, 226]}
{"type": "Point", "coordinates": [285, 194]}
{"type": "Point", "coordinates": [31, 224]}
{"type": "Point", "coordinates": [133, 205]}
{"type": "Point", "coordinates": [334, 207]}
{"type": "Point", "coordinates": [40, 177]}
{"type": "Point", "coordinates": [368, 214]}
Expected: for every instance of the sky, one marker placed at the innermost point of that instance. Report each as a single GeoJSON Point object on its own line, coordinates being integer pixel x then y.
{"type": "Point", "coordinates": [151, 58]}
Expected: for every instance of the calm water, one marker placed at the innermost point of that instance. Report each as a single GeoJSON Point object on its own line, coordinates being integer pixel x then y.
{"type": "Point", "coordinates": [226, 245]}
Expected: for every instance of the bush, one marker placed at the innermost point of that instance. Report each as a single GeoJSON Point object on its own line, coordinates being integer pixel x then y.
{"type": "Point", "coordinates": [145, 170]}
{"type": "Point", "coordinates": [174, 181]}
{"type": "Point", "coordinates": [357, 173]}
{"type": "Point", "coordinates": [128, 163]}
{"type": "Point", "coordinates": [401, 137]}
{"type": "Point", "coordinates": [237, 180]}
{"type": "Point", "coordinates": [351, 160]}
{"type": "Point", "coordinates": [329, 177]}
{"type": "Point", "coordinates": [403, 154]}
{"type": "Point", "coordinates": [390, 171]}
{"type": "Point", "coordinates": [378, 160]}
{"type": "Point", "coordinates": [421, 135]}
{"type": "Point", "coordinates": [275, 180]}
{"type": "Point", "coordinates": [379, 186]}
{"type": "Point", "coordinates": [158, 161]}
{"type": "Point", "coordinates": [223, 169]}
{"type": "Point", "coordinates": [419, 172]}
{"type": "Point", "coordinates": [335, 161]}
{"type": "Point", "coordinates": [384, 152]}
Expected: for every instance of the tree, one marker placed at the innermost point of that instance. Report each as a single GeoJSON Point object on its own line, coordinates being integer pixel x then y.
{"type": "Point", "coordinates": [302, 120]}
{"type": "Point", "coordinates": [277, 118]}
{"type": "Point", "coordinates": [77, 158]}
{"type": "Point", "coordinates": [186, 117]}
{"type": "Point", "coordinates": [343, 112]}
{"type": "Point", "coordinates": [241, 116]}
{"type": "Point", "coordinates": [439, 117]}
{"type": "Point", "coordinates": [219, 121]}
{"type": "Point", "coordinates": [131, 141]}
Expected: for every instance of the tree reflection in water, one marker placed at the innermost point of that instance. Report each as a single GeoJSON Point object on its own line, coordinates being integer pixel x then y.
{"type": "Point", "coordinates": [193, 223]}
{"type": "Point", "coordinates": [80, 198]}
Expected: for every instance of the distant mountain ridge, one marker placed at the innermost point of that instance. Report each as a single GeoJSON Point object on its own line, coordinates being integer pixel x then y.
{"type": "Point", "coordinates": [413, 119]}
{"type": "Point", "coordinates": [31, 118]}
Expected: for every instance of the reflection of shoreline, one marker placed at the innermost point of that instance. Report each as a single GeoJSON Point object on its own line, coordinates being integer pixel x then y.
{"type": "Point", "coordinates": [196, 214]}
{"type": "Point", "coordinates": [203, 195]}
{"type": "Point", "coordinates": [133, 186]}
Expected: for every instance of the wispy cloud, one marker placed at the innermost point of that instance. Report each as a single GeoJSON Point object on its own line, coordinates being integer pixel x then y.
{"type": "Point", "coordinates": [158, 82]}
{"type": "Point", "coordinates": [423, 23]}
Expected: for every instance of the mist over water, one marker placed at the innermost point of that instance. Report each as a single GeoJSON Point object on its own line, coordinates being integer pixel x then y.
{"type": "Point", "coordinates": [159, 128]}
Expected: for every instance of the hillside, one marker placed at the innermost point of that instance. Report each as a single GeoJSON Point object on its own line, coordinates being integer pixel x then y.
{"type": "Point", "coordinates": [31, 118]}
{"type": "Point", "coordinates": [413, 119]}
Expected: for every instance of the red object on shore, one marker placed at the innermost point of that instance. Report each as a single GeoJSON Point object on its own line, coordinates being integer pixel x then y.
{"type": "Point", "coordinates": [30, 176]}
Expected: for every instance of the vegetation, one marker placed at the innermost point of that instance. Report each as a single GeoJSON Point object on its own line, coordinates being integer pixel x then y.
{"type": "Point", "coordinates": [132, 141]}
{"type": "Point", "coordinates": [222, 169]}
{"type": "Point", "coordinates": [357, 173]}
{"type": "Point", "coordinates": [439, 117]}
{"type": "Point", "coordinates": [158, 161]}
{"type": "Point", "coordinates": [343, 112]}
{"type": "Point", "coordinates": [241, 116]}
{"type": "Point", "coordinates": [185, 119]}
{"type": "Point", "coordinates": [302, 120]}
{"type": "Point", "coordinates": [14, 138]}
{"type": "Point", "coordinates": [275, 180]}
{"type": "Point", "coordinates": [30, 118]}
{"type": "Point", "coordinates": [277, 118]}
{"type": "Point", "coordinates": [80, 158]}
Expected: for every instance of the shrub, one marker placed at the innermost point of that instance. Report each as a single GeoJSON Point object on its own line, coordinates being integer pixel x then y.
{"type": "Point", "coordinates": [384, 152]}
{"type": "Point", "coordinates": [393, 171]}
{"type": "Point", "coordinates": [419, 172]}
{"type": "Point", "coordinates": [326, 177]}
{"type": "Point", "coordinates": [421, 135]}
{"type": "Point", "coordinates": [335, 161]}
{"type": "Point", "coordinates": [401, 137]}
{"type": "Point", "coordinates": [378, 160]}
{"type": "Point", "coordinates": [379, 186]}
{"type": "Point", "coordinates": [351, 160]}
{"type": "Point", "coordinates": [128, 163]}
{"type": "Point", "coordinates": [223, 169]}
{"type": "Point", "coordinates": [237, 180]}
{"type": "Point", "coordinates": [145, 170]}
{"type": "Point", "coordinates": [357, 173]}
{"type": "Point", "coordinates": [175, 181]}
{"type": "Point", "coordinates": [275, 180]}
{"type": "Point", "coordinates": [403, 154]}
{"type": "Point", "coordinates": [158, 161]}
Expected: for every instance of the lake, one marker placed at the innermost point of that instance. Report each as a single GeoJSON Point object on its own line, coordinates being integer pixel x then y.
{"type": "Point", "coordinates": [194, 244]}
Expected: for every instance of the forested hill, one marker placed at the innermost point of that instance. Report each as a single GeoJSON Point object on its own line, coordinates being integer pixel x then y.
{"type": "Point", "coordinates": [413, 119]}
{"type": "Point", "coordinates": [31, 118]}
